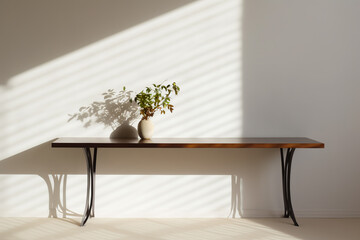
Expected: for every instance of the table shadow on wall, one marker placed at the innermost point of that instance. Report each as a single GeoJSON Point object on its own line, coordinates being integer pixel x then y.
{"type": "Point", "coordinates": [55, 166]}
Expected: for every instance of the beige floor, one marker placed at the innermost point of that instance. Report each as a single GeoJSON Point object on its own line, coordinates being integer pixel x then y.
{"type": "Point", "coordinates": [178, 229]}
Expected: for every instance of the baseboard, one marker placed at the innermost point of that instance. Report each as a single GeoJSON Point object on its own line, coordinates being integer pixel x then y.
{"type": "Point", "coordinates": [324, 213]}
{"type": "Point", "coordinates": [328, 213]}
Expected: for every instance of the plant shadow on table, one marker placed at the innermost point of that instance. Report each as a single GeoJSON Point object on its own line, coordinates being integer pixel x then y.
{"type": "Point", "coordinates": [115, 111]}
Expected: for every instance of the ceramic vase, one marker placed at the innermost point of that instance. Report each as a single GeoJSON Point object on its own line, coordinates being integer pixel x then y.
{"type": "Point", "coordinates": [145, 129]}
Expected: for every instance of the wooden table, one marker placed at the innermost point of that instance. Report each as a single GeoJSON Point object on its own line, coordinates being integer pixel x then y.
{"type": "Point", "coordinates": [87, 143]}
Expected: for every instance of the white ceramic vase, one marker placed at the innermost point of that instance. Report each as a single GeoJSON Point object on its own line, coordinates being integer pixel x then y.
{"type": "Point", "coordinates": [145, 129]}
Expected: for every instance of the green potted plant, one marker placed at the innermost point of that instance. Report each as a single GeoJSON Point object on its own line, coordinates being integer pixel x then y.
{"type": "Point", "coordinates": [153, 99]}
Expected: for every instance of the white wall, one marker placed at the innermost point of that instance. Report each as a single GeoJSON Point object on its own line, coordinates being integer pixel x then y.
{"type": "Point", "coordinates": [300, 78]}
{"type": "Point", "coordinates": [245, 68]}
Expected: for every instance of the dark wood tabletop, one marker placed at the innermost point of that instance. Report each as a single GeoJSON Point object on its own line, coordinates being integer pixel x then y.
{"type": "Point", "coordinates": [274, 142]}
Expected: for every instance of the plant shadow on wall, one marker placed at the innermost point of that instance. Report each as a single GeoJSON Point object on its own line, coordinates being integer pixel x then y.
{"type": "Point", "coordinates": [116, 111]}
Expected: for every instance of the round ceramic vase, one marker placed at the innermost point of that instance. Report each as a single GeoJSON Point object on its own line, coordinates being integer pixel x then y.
{"type": "Point", "coordinates": [145, 129]}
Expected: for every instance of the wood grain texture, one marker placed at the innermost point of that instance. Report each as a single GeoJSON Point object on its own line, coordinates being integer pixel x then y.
{"type": "Point", "coordinates": [276, 142]}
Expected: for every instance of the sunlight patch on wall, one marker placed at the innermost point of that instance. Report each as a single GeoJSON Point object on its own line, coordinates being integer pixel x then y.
{"type": "Point", "coordinates": [198, 46]}
{"type": "Point", "coordinates": [164, 196]}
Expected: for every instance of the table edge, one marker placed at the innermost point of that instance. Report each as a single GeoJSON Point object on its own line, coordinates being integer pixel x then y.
{"type": "Point", "coordinates": [313, 144]}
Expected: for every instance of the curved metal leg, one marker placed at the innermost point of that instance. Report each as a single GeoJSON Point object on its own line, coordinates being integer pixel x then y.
{"type": "Point", "coordinates": [89, 170]}
{"type": "Point", "coordinates": [283, 173]}
{"type": "Point", "coordinates": [92, 204]}
{"type": "Point", "coordinates": [90, 192]}
{"type": "Point", "coordinates": [291, 211]}
{"type": "Point", "coordinates": [286, 172]}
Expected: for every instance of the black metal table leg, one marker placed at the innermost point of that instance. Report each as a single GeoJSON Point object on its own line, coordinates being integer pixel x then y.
{"type": "Point", "coordinates": [92, 214]}
{"type": "Point", "coordinates": [286, 171]}
{"type": "Point", "coordinates": [90, 192]}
